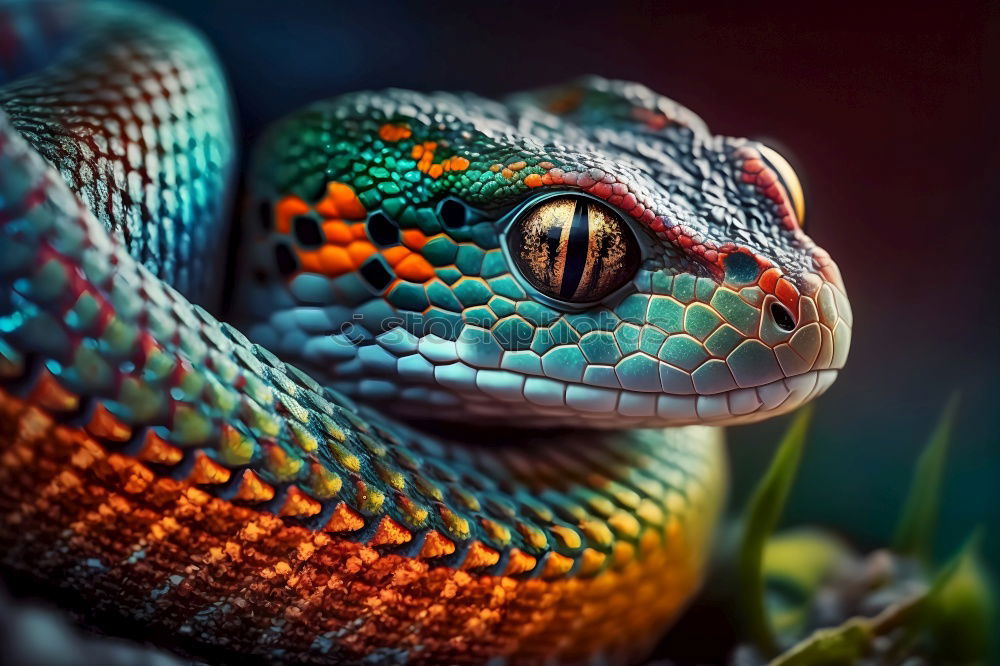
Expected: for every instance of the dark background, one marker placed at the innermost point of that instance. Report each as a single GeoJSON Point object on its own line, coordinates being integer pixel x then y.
{"type": "Point", "coordinates": [888, 114]}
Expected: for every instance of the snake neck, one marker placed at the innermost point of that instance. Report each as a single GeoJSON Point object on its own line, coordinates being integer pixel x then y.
{"type": "Point", "coordinates": [132, 110]}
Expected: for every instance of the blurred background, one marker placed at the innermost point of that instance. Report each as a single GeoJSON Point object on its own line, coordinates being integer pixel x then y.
{"type": "Point", "coordinates": [890, 117]}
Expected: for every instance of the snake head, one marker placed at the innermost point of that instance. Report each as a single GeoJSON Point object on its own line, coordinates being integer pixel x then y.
{"type": "Point", "coordinates": [586, 255]}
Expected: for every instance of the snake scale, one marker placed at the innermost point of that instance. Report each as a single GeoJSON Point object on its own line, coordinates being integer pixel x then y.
{"type": "Point", "coordinates": [466, 412]}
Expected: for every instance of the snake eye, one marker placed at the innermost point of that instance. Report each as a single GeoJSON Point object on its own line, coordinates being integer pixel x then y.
{"type": "Point", "coordinates": [573, 248]}
{"type": "Point", "coordinates": [789, 179]}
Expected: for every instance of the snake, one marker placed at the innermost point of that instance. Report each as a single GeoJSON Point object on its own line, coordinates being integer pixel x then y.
{"type": "Point", "coordinates": [470, 406]}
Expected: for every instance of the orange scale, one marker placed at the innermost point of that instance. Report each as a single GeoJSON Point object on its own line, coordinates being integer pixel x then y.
{"type": "Point", "coordinates": [359, 231]}
{"type": "Point", "coordinates": [335, 260]}
{"type": "Point", "coordinates": [340, 202]}
{"type": "Point", "coordinates": [337, 231]}
{"type": "Point", "coordinates": [479, 556]}
{"type": "Point", "coordinates": [327, 207]}
{"type": "Point", "coordinates": [414, 268]}
{"type": "Point", "coordinates": [311, 261]}
{"type": "Point", "coordinates": [252, 489]}
{"type": "Point", "coordinates": [393, 255]}
{"type": "Point", "coordinates": [207, 471]}
{"type": "Point", "coordinates": [50, 395]}
{"type": "Point", "coordinates": [787, 293]}
{"type": "Point", "coordinates": [769, 279]}
{"type": "Point", "coordinates": [533, 180]}
{"type": "Point", "coordinates": [389, 532]}
{"type": "Point", "coordinates": [436, 545]}
{"type": "Point", "coordinates": [106, 425]}
{"type": "Point", "coordinates": [519, 562]}
{"type": "Point", "coordinates": [347, 202]}
{"type": "Point", "coordinates": [360, 251]}
{"type": "Point", "coordinates": [156, 450]}
{"type": "Point", "coordinates": [286, 209]}
{"type": "Point", "coordinates": [414, 239]}
{"type": "Point", "coordinates": [394, 131]}
{"type": "Point", "coordinates": [344, 519]}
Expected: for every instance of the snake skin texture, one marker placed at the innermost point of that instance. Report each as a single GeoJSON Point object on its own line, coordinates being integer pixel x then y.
{"type": "Point", "coordinates": [160, 469]}
{"type": "Point", "coordinates": [134, 113]}
{"type": "Point", "coordinates": [430, 316]}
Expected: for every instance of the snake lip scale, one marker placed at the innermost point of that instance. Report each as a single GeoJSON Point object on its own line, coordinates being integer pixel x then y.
{"type": "Point", "coordinates": [748, 405]}
{"type": "Point", "coordinates": [585, 272]}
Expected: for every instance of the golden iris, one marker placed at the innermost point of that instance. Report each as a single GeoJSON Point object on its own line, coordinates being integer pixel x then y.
{"type": "Point", "coordinates": [789, 179]}
{"type": "Point", "coordinates": [574, 249]}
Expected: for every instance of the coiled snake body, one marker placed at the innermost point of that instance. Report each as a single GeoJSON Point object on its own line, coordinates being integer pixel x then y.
{"type": "Point", "coordinates": [560, 275]}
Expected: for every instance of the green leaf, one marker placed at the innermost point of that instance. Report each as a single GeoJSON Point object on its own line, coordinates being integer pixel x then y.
{"type": "Point", "coordinates": [951, 568]}
{"type": "Point", "coordinates": [762, 514]}
{"type": "Point", "coordinates": [844, 644]}
{"type": "Point", "coordinates": [854, 639]}
{"type": "Point", "coordinates": [796, 563]}
{"type": "Point", "coordinates": [957, 609]}
{"type": "Point", "coordinates": [915, 531]}
{"type": "Point", "coordinates": [961, 608]}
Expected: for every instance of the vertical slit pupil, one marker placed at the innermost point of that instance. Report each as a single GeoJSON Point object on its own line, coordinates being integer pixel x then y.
{"type": "Point", "coordinates": [576, 250]}
{"type": "Point", "coordinates": [552, 239]}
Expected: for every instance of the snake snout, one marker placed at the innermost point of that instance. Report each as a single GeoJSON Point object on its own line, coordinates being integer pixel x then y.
{"type": "Point", "coordinates": [809, 333]}
{"type": "Point", "coordinates": [794, 352]}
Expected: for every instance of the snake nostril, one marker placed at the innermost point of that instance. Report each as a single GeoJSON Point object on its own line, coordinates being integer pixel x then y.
{"type": "Point", "coordinates": [782, 317]}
